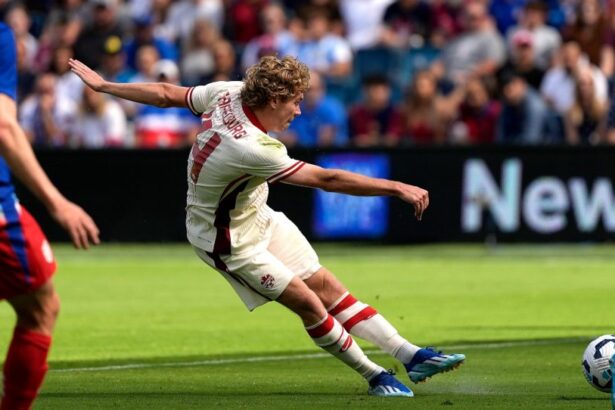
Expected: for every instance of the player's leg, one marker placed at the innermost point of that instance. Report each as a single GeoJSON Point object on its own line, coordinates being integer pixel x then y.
{"type": "Point", "coordinates": [26, 361]}
{"type": "Point", "coordinates": [362, 320]}
{"type": "Point", "coordinates": [331, 336]}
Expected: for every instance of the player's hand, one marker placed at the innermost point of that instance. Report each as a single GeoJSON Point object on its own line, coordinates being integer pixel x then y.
{"type": "Point", "coordinates": [79, 225]}
{"type": "Point", "coordinates": [87, 75]}
{"type": "Point", "coordinates": [416, 196]}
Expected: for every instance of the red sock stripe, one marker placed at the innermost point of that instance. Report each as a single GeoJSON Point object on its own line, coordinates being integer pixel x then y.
{"type": "Point", "coordinates": [343, 305]}
{"type": "Point", "coordinates": [364, 314]}
{"type": "Point", "coordinates": [322, 329]}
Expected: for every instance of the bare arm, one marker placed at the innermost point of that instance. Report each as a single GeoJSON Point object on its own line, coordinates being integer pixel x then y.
{"type": "Point", "coordinates": [158, 94]}
{"type": "Point", "coordinates": [337, 180]}
{"type": "Point", "coordinates": [16, 150]}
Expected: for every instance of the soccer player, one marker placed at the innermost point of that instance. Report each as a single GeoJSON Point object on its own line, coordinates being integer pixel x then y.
{"type": "Point", "coordinates": [26, 261]}
{"type": "Point", "coordinates": [259, 251]}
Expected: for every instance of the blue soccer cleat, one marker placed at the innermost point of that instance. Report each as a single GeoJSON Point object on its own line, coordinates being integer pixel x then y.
{"type": "Point", "coordinates": [427, 362]}
{"type": "Point", "coordinates": [386, 385]}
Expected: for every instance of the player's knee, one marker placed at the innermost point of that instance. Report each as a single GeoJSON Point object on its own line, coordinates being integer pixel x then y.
{"type": "Point", "coordinates": [41, 313]}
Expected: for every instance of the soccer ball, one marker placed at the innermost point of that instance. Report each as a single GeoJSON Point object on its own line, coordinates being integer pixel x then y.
{"type": "Point", "coordinates": [596, 366]}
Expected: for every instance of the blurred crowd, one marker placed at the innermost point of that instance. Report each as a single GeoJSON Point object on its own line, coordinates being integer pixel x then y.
{"type": "Point", "coordinates": [384, 72]}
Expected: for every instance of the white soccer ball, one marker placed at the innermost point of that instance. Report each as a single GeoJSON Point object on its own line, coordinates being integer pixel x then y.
{"type": "Point", "coordinates": [596, 366]}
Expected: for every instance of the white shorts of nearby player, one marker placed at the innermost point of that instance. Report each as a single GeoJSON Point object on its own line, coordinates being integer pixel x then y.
{"type": "Point", "coordinates": [263, 273]}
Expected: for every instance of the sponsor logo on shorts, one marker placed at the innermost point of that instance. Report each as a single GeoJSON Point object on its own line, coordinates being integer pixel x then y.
{"type": "Point", "coordinates": [267, 281]}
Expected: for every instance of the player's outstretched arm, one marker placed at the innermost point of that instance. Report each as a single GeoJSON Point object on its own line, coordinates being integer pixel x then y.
{"type": "Point", "coordinates": [158, 94]}
{"type": "Point", "coordinates": [337, 180]}
{"type": "Point", "coordinates": [17, 152]}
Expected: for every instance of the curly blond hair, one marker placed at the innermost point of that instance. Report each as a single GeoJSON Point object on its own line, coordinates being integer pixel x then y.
{"type": "Point", "coordinates": [273, 79]}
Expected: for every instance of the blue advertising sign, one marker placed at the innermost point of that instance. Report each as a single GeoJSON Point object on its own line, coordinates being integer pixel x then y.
{"type": "Point", "coordinates": [346, 216]}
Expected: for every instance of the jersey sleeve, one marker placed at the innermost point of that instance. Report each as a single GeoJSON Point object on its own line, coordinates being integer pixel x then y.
{"type": "Point", "coordinates": [270, 162]}
{"type": "Point", "coordinates": [8, 62]}
{"type": "Point", "coordinates": [200, 99]}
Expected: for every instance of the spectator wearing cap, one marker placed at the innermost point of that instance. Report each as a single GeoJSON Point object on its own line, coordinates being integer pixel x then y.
{"type": "Point", "coordinates": [157, 127]}
{"type": "Point", "coordinates": [323, 121]}
{"type": "Point", "coordinates": [143, 34]}
{"type": "Point", "coordinates": [524, 117]}
{"type": "Point", "coordinates": [100, 122]}
{"type": "Point", "coordinates": [545, 39]}
{"type": "Point", "coordinates": [90, 44]}
{"type": "Point", "coordinates": [375, 121]}
{"type": "Point", "coordinates": [522, 61]}
{"type": "Point", "coordinates": [113, 66]}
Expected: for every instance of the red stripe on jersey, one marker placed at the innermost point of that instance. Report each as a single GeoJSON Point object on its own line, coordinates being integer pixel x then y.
{"type": "Point", "coordinates": [233, 182]}
{"type": "Point", "coordinates": [188, 98]}
{"type": "Point", "coordinates": [362, 315]}
{"type": "Point", "coordinates": [322, 329]}
{"type": "Point", "coordinates": [222, 246]}
{"type": "Point", "coordinates": [344, 304]}
{"type": "Point", "coordinates": [199, 157]}
{"type": "Point", "coordinates": [253, 118]}
{"type": "Point", "coordinates": [287, 172]}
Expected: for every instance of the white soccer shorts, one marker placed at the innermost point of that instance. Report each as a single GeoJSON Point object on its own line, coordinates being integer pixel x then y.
{"type": "Point", "coordinates": [262, 275]}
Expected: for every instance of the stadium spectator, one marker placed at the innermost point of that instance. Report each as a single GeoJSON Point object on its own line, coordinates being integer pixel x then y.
{"type": "Point", "coordinates": [545, 39]}
{"type": "Point", "coordinates": [225, 63]}
{"type": "Point", "coordinates": [558, 84]}
{"type": "Point", "coordinates": [198, 61]}
{"type": "Point", "coordinates": [407, 23]}
{"type": "Point", "coordinates": [144, 35]}
{"type": "Point", "coordinates": [157, 127]}
{"type": "Point", "coordinates": [478, 51]}
{"type": "Point", "coordinates": [243, 16]}
{"type": "Point", "coordinates": [18, 20]}
{"type": "Point", "coordinates": [26, 259]}
{"type": "Point", "coordinates": [113, 61]}
{"type": "Point", "coordinates": [363, 21]}
{"type": "Point", "coordinates": [446, 21]}
{"type": "Point", "coordinates": [90, 44]}
{"type": "Point", "coordinates": [323, 121]}
{"type": "Point", "coordinates": [375, 120]}
{"type": "Point", "coordinates": [590, 30]}
{"type": "Point", "coordinates": [184, 13]}
{"type": "Point", "coordinates": [300, 10]}
{"type": "Point", "coordinates": [427, 114]}
{"type": "Point", "coordinates": [73, 14]}
{"type": "Point", "coordinates": [524, 117]}
{"type": "Point", "coordinates": [100, 122]}
{"type": "Point", "coordinates": [609, 136]}
{"type": "Point", "coordinates": [25, 73]}
{"type": "Point", "coordinates": [522, 61]}
{"type": "Point", "coordinates": [45, 116]}
{"type": "Point", "coordinates": [275, 40]}
{"type": "Point", "coordinates": [478, 115]}
{"type": "Point", "coordinates": [584, 122]}
{"type": "Point", "coordinates": [323, 51]}
{"type": "Point", "coordinates": [67, 83]}
{"type": "Point", "coordinates": [261, 252]}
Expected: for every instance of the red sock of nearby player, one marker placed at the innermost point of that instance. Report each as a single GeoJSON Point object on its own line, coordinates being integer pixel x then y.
{"type": "Point", "coordinates": [24, 369]}
{"type": "Point", "coordinates": [365, 322]}
{"type": "Point", "coordinates": [331, 336]}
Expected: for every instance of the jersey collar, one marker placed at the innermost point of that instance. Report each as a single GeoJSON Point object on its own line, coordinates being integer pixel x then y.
{"type": "Point", "coordinates": [252, 117]}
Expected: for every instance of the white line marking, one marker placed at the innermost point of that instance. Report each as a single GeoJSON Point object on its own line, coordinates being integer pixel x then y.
{"type": "Point", "coordinates": [308, 356]}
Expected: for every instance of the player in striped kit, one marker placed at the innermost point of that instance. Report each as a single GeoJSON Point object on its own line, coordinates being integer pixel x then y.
{"type": "Point", "coordinates": [27, 264]}
{"type": "Point", "coordinates": [260, 252]}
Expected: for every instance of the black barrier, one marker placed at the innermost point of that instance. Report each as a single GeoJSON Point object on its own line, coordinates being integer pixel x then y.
{"type": "Point", "coordinates": [529, 194]}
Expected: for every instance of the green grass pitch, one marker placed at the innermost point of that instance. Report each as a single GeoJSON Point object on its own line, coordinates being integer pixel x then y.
{"type": "Point", "coordinates": [151, 327]}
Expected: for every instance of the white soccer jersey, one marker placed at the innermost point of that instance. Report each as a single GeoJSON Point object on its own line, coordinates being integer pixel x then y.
{"type": "Point", "coordinates": [229, 167]}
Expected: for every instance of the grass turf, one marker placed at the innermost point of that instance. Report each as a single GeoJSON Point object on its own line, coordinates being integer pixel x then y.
{"type": "Point", "coordinates": [160, 308]}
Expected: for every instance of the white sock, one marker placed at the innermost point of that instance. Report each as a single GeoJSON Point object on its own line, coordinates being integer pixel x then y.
{"type": "Point", "coordinates": [365, 322]}
{"type": "Point", "coordinates": [333, 338]}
